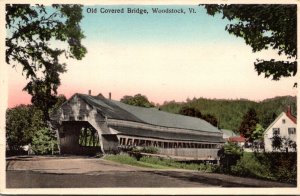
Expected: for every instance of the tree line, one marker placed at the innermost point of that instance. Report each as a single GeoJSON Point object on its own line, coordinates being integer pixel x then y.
{"type": "Point", "coordinates": [229, 113]}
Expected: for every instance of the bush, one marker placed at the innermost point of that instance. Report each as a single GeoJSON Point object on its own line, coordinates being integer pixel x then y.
{"type": "Point", "coordinates": [282, 165]}
{"type": "Point", "coordinates": [229, 155]}
{"type": "Point", "coordinates": [250, 166]}
{"type": "Point", "coordinates": [149, 149]}
{"type": "Point", "coordinates": [44, 142]}
{"type": "Point", "coordinates": [276, 166]}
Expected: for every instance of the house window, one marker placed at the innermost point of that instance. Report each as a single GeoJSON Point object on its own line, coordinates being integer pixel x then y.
{"type": "Point", "coordinates": [276, 131]}
{"type": "Point", "coordinates": [283, 121]}
{"type": "Point", "coordinates": [292, 131]}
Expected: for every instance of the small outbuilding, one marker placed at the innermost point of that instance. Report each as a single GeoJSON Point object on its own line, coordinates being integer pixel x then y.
{"type": "Point", "coordinates": [228, 134]}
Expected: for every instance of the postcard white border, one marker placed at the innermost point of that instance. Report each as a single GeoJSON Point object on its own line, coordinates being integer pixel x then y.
{"type": "Point", "coordinates": [124, 191]}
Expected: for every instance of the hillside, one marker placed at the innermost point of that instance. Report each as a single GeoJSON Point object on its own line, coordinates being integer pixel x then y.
{"type": "Point", "coordinates": [230, 112]}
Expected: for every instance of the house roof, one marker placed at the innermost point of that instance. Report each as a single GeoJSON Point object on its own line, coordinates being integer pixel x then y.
{"type": "Point", "coordinates": [237, 139]}
{"type": "Point", "coordinates": [290, 116]}
{"type": "Point", "coordinates": [117, 110]}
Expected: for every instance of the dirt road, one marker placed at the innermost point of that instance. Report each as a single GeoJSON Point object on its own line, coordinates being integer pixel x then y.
{"type": "Point", "coordinates": [69, 172]}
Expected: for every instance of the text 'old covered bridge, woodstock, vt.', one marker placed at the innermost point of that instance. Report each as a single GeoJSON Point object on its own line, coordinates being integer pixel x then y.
{"type": "Point", "coordinates": [87, 124]}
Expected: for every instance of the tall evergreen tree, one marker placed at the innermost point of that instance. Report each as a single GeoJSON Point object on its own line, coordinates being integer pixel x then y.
{"type": "Point", "coordinates": [248, 124]}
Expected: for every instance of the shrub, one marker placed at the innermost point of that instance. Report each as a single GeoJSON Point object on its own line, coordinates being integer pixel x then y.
{"type": "Point", "coordinates": [44, 142]}
{"type": "Point", "coordinates": [250, 166]}
{"type": "Point", "coordinates": [149, 149]}
{"type": "Point", "coordinates": [229, 155]}
{"type": "Point", "coordinates": [274, 165]}
{"type": "Point", "coordinates": [283, 165]}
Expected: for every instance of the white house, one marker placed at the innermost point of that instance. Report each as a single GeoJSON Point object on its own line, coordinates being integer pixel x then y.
{"type": "Point", "coordinates": [285, 126]}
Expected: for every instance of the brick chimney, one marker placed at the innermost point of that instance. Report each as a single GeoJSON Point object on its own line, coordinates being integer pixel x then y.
{"type": "Point", "coordinates": [109, 95]}
{"type": "Point", "coordinates": [90, 92]}
{"type": "Point", "coordinates": [290, 115]}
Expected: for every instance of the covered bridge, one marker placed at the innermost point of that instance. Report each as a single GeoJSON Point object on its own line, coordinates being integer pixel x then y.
{"type": "Point", "coordinates": [89, 124]}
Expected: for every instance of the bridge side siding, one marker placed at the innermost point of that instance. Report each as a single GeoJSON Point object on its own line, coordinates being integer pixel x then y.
{"type": "Point", "coordinates": [76, 111]}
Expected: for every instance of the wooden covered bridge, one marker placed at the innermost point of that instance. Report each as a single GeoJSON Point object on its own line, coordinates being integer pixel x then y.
{"type": "Point", "coordinates": [89, 124]}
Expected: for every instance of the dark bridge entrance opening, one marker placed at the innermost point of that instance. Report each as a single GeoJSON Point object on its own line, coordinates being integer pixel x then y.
{"type": "Point", "coordinates": [79, 138]}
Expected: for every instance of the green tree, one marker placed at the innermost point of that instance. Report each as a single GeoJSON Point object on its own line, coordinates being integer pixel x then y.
{"type": "Point", "coordinates": [25, 125]}
{"type": "Point", "coordinates": [283, 143]}
{"type": "Point", "coordinates": [268, 118]}
{"type": "Point", "coordinates": [229, 154]}
{"type": "Point", "coordinates": [43, 142]}
{"type": "Point", "coordinates": [258, 137]}
{"type": "Point", "coordinates": [263, 27]}
{"type": "Point", "coordinates": [276, 142]}
{"type": "Point", "coordinates": [21, 124]}
{"type": "Point", "coordinates": [230, 112]}
{"type": "Point", "coordinates": [190, 111]}
{"type": "Point", "coordinates": [248, 125]}
{"type": "Point", "coordinates": [211, 119]}
{"type": "Point", "coordinates": [17, 127]}
{"type": "Point", "coordinates": [137, 100]}
{"type": "Point", "coordinates": [60, 99]}
{"type": "Point", "coordinates": [258, 133]}
{"type": "Point", "coordinates": [37, 36]}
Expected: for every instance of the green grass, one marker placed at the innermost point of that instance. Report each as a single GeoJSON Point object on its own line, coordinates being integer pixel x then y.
{"type": "Point", "coordinates": [158, 163]}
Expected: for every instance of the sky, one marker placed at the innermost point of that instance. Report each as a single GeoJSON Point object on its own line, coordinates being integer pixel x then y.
{"type": "Point", "coordinates": [163, 56]}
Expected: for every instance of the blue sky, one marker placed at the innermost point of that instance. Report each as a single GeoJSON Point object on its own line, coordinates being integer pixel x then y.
{"type": "Point", "coordinates": [199, 27]}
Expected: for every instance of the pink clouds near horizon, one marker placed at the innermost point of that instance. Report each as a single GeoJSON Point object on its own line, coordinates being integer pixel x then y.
{"type": "Point", "coordinates": [16, 96]}
{"type": "Point", "coordinates": [163, 73]}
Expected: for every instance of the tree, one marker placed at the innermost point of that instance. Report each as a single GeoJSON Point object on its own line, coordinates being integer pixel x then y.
{"type": "Point", "coordinates": [229, 154]}
{"type": "Point", "coordinates": [268, 118]}
{"type": "Point", "coordinates": [25, 125]}
{"type": "Point", "coordinates": [43, 142]}
{"type": "Point", "coordinates": [137, 100]}
{"type": "Point", "coordinates": [190, 111]}
{"type": "Point", "coordinates": [258, 136]}
{"type": "Point", "coordinates": [276, 142]}
{"type": "Point", "coordinates": [211, 119]}
{"type": "Point", "coordinates": [248, 124]}
{"type": "Point", "coordinates": [258, 133]}
{"type": "Point", "coordinates": [282, 143]}
{"type": "Point", "coordinates": [263, 27]}
{"type": "Point", "coordinates": [21, 124]}
{"type": "Point", "coordinates": [35, 35]}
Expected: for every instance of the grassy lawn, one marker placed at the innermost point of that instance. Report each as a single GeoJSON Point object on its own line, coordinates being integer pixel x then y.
{"type": "Point", "coordinates": [157, 163]}
{"type": "Point", "coordinates": [126, 159]}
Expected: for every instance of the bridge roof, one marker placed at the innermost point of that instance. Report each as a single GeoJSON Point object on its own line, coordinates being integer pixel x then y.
{"type": "Point", "coordinates": [117, 110]}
